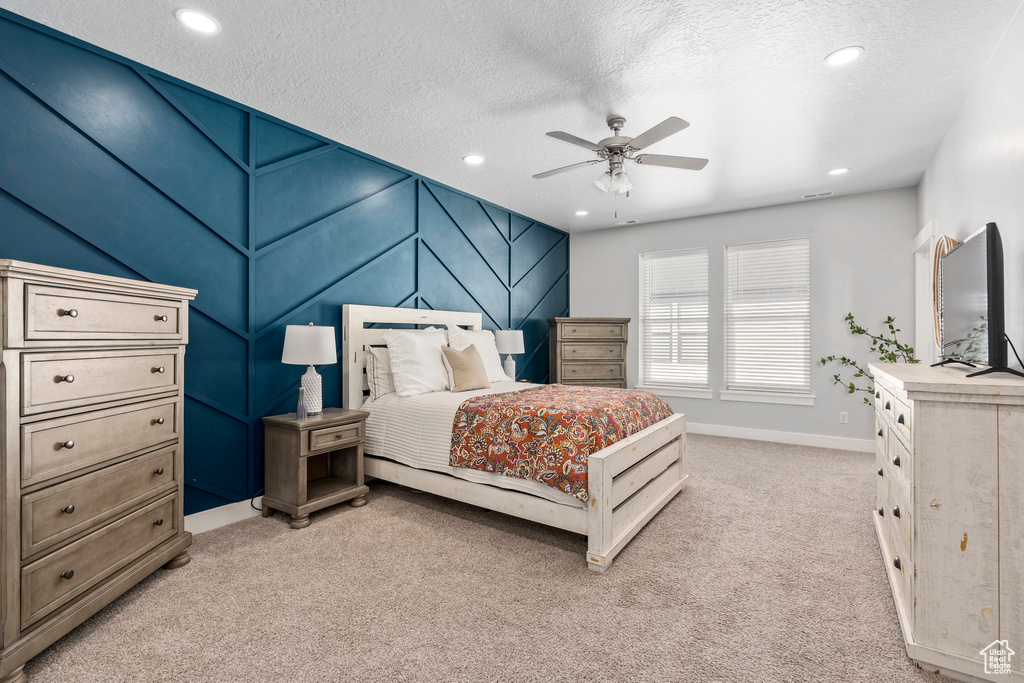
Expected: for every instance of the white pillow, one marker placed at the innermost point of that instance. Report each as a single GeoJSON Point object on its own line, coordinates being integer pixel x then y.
{"type": "Point", "coordinates": [378, 372]}
{"type": "Point", "coordinates": [483, 340]}
{"type": "Point", "coordinates": [417, 364]}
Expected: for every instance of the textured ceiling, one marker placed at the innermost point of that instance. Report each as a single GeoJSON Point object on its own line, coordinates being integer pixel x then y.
{"type": "Point", "coordinates": [423, 83]}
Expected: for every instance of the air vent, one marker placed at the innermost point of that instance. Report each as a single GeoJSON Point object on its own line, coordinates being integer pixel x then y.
{"type": "Point", "coordinates": [820, 195]}
{"type": "Point", "coordinates": [626, 222]}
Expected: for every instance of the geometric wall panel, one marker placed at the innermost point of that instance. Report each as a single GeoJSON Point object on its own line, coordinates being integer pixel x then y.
{"type": "Point", "coordinates": [110, 167]}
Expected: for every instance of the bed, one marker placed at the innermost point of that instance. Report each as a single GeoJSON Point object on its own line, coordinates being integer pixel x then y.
{"type": "Point", "coordinates": [407, 442]}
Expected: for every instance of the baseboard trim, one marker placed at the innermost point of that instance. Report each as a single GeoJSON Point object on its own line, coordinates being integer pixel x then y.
{"type": "Point", "coordinates": [208, 520]}
{"type": "Point", "coordinates": [820, 440]}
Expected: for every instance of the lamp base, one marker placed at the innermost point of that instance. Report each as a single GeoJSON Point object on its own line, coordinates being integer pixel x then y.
{"type": "Point", "coordinates": [313, 391]}
{"type": "Point", "coordinates": [509, 366]}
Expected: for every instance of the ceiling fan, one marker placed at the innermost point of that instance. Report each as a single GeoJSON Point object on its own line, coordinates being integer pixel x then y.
{"type": "Point", "coordinates": [618, 149]}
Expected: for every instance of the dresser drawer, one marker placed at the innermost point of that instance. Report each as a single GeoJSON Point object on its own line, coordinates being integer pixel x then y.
{"type": "Point", "coordinates": [887, 403]}
{"type": "Point", "coordinates": [65, 574]}
{"type": "Point", "coordinates": [601, 331]}
{"type": "Point", "coordinates": [903, 417]}
{"type": "Point", "coordinates": [602, 371]}
{"type": "Point", "coordinates": [593, 351]}
{"type": "Point", "coordinates": [55, 381]}
{"type": "Point", "coordinates": [607, 383]}
{"type": "Point", "coordinates": [901, 465]}
{"type": "Point", "coordinates": [881, 434]}
{"type": "Point", "coordinates": [335, 437]}
{"type": "Point", "coordinates": [60, 313]}
{"type": "Point", "coordinates": [63, 446]}
{"type": "Point", "coordinates": [60, 512]}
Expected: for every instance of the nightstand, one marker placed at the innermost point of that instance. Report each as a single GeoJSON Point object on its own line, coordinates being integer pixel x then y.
{"type": "Point", "coordinates": [313, 463]}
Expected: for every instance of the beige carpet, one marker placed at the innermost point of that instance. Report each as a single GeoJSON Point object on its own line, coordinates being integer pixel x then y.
{"type": "Point", "coordinates": [765, 568]}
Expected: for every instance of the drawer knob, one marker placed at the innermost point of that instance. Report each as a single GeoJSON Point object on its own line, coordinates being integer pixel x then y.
{"type": "Point", "coordinates": [69, 574]}
{"type": "Point", "coordinates": [880, 432]}
{"type": "Point", "coordinates": [159, 369]}
{"type": "Point", "coordinates": [66, 378]}
{"type": "Point", "coordinates": [70, 313]}
{"type": "Point", "coordinates": [881, 512]}
{"type": "Point", "coordinates": [158, 471]}
{"type": "Point", "coordinates": [900, 419]}
{"type": "Point", "coordinates": [162, 318]}
{"type": "Point", "coordinates": [880, 472]}
{"type": "Point", "coordinates": [68, 509]}
{"type": "Point", "coordinates": [896, 511]}
{"type": "Point", "coordinates": [878, 394]}
{"type": "Point", "coordinates": [158, 421]}
{"type": "Point", "coordinates": [896, 563]}
{"type": "Point", "coordinates": [896, 460]}
{"type": "Point", "coordinates": [888, 406]}
{"type": "Point", "coordinates": [69, 444]}
{"type": "Point", "coordinates": [159, 522]}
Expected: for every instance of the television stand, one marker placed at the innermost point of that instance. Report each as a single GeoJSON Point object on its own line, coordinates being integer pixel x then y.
{"type": "Point", "coordinates": [988, 371]}
{"type": "Point", "coordinates": [947, 361]}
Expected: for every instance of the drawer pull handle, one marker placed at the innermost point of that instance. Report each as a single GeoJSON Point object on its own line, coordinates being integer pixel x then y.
{"type": "Point", "coordinates": [880, 472]}
{"type": "Point", "coordinates": [896, 563]}
{"type": "Point", "coordinates": [878, 394]}
{"type": "Point", "coordinates": [69, 444]}
{"type": "Point", "coordinates": [896, 511]}
{"type": "Point", "coordinates": [880, 432]}
{"type": "Point", "coordinates": [160, 369]}
{"type": "Point", "coordinates": [158, 471]}
{"type": "Point", "coordinates": [900, 419]}
{"type": "Point", "coordinates": [68, 509]}
{"type": "Point", "coordinates": [70, 313]}
{"type": "Point", "coordinates": [161, 318]}
{"type": "Point", "coordinates": [881, 512]}
{"type": "Point", "coordinates": [66, 378]}
{"type": "Point", "coordinates": [896, 460]}
{"type": "Point", "coordinates": [69, 574]}
{"type": "Point", "coordinates": [158, 421]}
{"type": "Point", "coordinates": [159, 522]}
{"type": "Point", "coordinates": [888, 405]}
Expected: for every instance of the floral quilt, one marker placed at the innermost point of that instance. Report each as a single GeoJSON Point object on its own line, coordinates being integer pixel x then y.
{"type": "Point", "coordinates": [547, 433]}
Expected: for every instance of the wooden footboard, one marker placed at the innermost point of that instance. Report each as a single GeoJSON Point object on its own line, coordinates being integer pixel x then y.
{"type": "Point", "coordinates": [629, 482]}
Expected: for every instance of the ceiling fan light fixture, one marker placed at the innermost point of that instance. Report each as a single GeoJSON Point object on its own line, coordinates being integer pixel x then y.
{"type": "Point", "coordinates": [844, 56]}
{"type": "Point", "coordinates": [604, 183]}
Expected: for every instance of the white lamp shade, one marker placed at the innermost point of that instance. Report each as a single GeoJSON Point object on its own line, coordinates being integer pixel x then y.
{"type": "Point", "coordinates": [509, 341]}
{"type": "Point", "coordinates": [309, 345]}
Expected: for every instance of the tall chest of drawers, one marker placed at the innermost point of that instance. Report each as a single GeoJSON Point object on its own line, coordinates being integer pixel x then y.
{"type": "Point", "coordinates": [949, 514]}
{"type": "Point", "coordinates": [91, 403]}
{"type": "Point", "coordinates": [588, 351]}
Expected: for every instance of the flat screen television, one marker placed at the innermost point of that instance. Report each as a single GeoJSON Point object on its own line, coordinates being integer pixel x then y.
{"type": "Point", "coordinates": [971, 300]}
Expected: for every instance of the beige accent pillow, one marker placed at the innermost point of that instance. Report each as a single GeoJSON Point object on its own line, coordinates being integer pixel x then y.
{"type": "Point", "coordinates": [465, 369]}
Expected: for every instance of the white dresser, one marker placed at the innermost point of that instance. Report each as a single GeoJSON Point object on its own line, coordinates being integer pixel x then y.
{"type": "Point", "coordinates": [91, 412]}
{"type": "Point", "coordinates": [950, 513]}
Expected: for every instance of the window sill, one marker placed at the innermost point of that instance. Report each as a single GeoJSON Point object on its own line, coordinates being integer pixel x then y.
{"type": "Point", "coordinates": [768, 397]}
{"type": "Point", "coordinates": [678, 392]}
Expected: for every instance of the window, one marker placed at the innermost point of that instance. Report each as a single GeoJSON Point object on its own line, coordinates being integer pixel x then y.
{"type": "Point", "coordinates": [768, 317]}
{"type": "Point", "coordinates": [674, 319]}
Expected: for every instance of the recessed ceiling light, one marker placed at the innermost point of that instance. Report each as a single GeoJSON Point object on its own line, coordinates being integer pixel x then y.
{"type": "Point", "coordinates": [838, 171]}
{"type": "Point", "coordinates": [473, 159]}
{"type": "Point", "coordinates": [582, 213]}
{"type": "Point", "coordinates": [197, 21]}
{"type": "Point", "coordinates": [844, 55]}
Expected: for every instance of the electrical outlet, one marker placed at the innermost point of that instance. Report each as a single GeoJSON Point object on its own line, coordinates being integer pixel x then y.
{"type": "Point", "coordinates": [844, 418]}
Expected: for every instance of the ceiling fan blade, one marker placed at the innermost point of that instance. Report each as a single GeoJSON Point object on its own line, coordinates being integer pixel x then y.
{"type": "Point", "coordinates": [669, 126]}
{"type": "Point", "coordinates": [573, 140]}
{"type": "Point", "coordinates": [688, 163]}
{"type": "Point", "coordinates": [563, 169]}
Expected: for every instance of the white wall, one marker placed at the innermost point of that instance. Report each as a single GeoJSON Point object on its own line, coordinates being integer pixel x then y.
{"type": "Point", "coordinates": [861, 261]}
{"type": "Point", "coordinates": [977, 175]}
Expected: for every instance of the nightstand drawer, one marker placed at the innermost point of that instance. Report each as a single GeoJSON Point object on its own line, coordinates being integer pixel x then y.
{"type": "Point", "coordinates": [59, 512]}
{"type": "Point", "coordinates": [67, 573]}
{"type": "Point", "coordinates": [593, 331]}
{"type": "Point", "coordinates": [593, 351]}
{"type": "Point", "coordinates": [603, 371]}
{"type": "Point", "coordinates": [74, 314]}
{"type": "Point", "coordinates": [54, 381]}
{"type": "Point", "coordinates": [59, 447]}
{"type": "Point", "coordinates": [335, 437]}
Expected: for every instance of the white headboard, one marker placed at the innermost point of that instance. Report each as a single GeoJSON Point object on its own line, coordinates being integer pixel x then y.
{"type": "Point", "coordinates": [357, 337]}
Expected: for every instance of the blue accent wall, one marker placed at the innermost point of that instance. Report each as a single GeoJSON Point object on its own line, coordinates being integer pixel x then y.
{"type": "Point", "coordinates": [111, 167]}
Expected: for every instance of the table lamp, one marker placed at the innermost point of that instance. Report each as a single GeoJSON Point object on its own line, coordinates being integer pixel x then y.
{"type": "Point", "coordinates": [509, 342]}
{"type": "Point", "coordinates": [310, 345]}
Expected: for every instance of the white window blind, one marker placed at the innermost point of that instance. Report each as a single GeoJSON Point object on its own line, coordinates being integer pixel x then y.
{"type": "Point", "coordinates": [674, 319]}
{"type": "Point", "coordinates": [768, 317]}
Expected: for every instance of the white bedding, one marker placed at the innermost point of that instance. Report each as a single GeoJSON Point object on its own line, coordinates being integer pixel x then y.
{"type": "Point", "coordinates": [417, 431]}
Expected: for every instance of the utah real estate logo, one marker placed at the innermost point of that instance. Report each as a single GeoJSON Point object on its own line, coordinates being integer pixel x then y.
{"type": "Point", "coordinates": [997, 657]}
